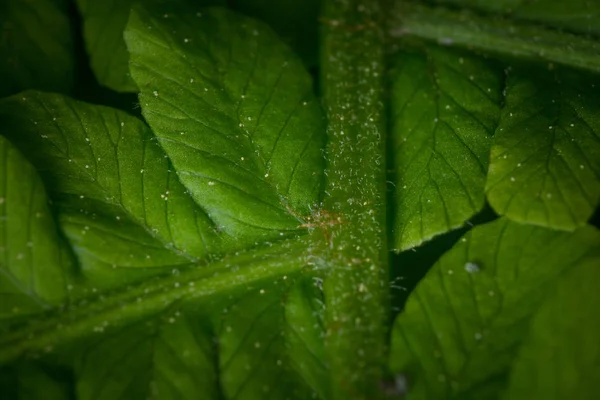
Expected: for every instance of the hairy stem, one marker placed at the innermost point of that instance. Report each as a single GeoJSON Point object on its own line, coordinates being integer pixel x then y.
{"type": "Point", "coordinates": [354, 204]}
{"type": "Point", "coordinates": [494, 34]}
{"type": "Point", "coordinates": [90, 317]}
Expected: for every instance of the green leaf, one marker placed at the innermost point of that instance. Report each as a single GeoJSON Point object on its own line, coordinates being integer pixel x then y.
{"type": "Point", "coordinates": [233, 108]}
{"type": "Point", "coordinates": [169, 356]}
{"type": "Point", "coordinates": [563, 334]}
{"type": "Point", "coordinates": [445, 106]}
{"type": "Point", "coordinates": [111, 182]}
{"type": "Point", "coordinates": [115, 191]}
{"type": "Point", "coordinates": [467, 321]}
{"type": "Point", "coordinates": [35, 264]}
{"type": "Point", "coordinates": [228, 350]}
{"type": "Point", "coordinates": [254, 339]}
{"type": "Point", "coordinates": [545, 161]}
{"type": "Point", "coordinates": [304, 330]}
{"type": "Point", "coordinates": [36, 49]}
{"type": "Point", "coordinates": [295, 21]}
{"type": "Point", "coordinates": [113, 252]}
{"type": "Point", "coordinates": [103, 26]}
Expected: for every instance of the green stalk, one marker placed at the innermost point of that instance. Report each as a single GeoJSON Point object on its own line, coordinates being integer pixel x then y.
{"type": "Point", "coordinates": [494, 34]}
{"type": "Point", "coordinates": [92, 317]}
{"type": "Point", "coordinates": [353, 214]}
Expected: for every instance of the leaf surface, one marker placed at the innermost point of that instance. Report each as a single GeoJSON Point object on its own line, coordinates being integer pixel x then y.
{"type": "Point", "coordinates": [261, 353]}
{"type": "Point", "coordinates": [35, 262]}
{"type": "Point", "coordinates": [168, 356]}
{"type": "Point", "coordinates": [233, 108]}
{"type": "Point", "coordinates": [119, 200]}
{"type": "Point", "coordinates": [445, 108]}
{"type": "Point", "coordinates": [477, 304]}
{"type": "Point", "coordinates": [545, 161]}
{"type": "Point", "coordinates": [564, 334]}
{"type": "Point", "coordinates": [216, 349]}
{"type": "Point", "coordinates": [103, 26]}
{"type": "Point", "coordinates": [36, 50]}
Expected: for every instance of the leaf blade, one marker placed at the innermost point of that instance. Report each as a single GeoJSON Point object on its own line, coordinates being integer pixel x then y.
{"type": "Point", "coordinates": [103, 26]}
{"type": "Point", "coordinates": [476, 303]}
{"type": "Point", "coordinates": [35, 264]}
{"type": "Point", "coordinates": [119, 201]}
{"type": "Point", "coordinates": [544, 164]}
{"type": "Point", "coordinates": [170, 355]}
{"type": "Point", "coordinates": [237, 109]}
{"type": "Point", "coordinates": [557, 361]}
{"type": "Point", "coordinates": [448, 105]}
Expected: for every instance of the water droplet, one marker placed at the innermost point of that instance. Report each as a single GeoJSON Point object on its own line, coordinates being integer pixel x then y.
{"type": "Point", "coordinates": [471, 267]}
